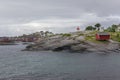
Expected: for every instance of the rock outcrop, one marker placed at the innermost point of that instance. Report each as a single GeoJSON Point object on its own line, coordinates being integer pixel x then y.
{"type": "Point", "coordinates": [72, 44]}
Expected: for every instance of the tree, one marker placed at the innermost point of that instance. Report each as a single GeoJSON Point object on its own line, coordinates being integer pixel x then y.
{"type": "Point", "coordinates": [36, 34]}
{"type": "Point", "coordinates": [109, 29]}
{"type": "Point", "coordinates": [46, 33]}
{"type": "Point", "coordinates": [97, 26]}
{"type": "Point", "coordinates": [112, 28]}
{"type": "Point", "coordinates": [42, 33]}
{"type": "Point", "coordinates": [24, 35]}
{"type": "Point", "coordinates": [90, 28]}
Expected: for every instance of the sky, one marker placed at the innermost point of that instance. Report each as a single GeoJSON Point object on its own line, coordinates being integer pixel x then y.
{"type": "Point", "coordinates": [19, 17]}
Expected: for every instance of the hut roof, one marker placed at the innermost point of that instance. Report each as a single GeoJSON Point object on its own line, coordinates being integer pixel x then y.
{"type": "Point", "coordinates": [103, 33]}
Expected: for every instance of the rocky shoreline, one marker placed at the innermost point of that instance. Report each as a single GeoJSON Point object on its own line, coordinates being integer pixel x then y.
{"type": "Point", "coordinates": [72, 44]}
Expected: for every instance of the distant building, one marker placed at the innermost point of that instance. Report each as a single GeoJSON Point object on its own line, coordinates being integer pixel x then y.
{"type": "Point", "coordinates": [101, 29]}
{"type": "Point", "coordinates": [102, 36]}
{"type": "Point", "coordinates": [118, 28]}
{"type": "Point", "coordinates": [5, 39]}
{"type": "Point", "coordinates": [29, 39]}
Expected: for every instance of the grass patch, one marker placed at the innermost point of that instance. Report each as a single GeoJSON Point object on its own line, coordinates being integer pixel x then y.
{"type": "Point", "coordinates": [80, 34]}
{"type": "Point", "coordinates": [115, 36]}
{"type": "Point", "coordinates": [66, 35]}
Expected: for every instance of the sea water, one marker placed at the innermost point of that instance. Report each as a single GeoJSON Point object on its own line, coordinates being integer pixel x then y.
{"type": "Point", "coordinates": [47, 65]}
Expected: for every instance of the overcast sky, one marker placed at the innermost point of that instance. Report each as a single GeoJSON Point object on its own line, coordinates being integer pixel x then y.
{"type": "Point", "coordinates": [26, 16]}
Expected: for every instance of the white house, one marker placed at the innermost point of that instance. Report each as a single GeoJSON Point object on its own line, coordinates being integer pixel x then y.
{"type": "Point", "coordinates": [101, 29]}
{"type": "Point", "coordinates": [118, 28]}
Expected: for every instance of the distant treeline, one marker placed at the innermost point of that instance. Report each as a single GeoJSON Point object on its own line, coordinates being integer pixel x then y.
{"type": "Point", "coordinates": [97, 26]}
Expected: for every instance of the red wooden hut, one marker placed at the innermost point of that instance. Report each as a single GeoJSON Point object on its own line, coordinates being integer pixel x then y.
{"type": "Point", "coordinates": [102, 36]}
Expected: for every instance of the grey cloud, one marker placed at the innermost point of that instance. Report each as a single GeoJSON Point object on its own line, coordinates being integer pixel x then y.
{"type": "Point", "coordinates": [55, 15]}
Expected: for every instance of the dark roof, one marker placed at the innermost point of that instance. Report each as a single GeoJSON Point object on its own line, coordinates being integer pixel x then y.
{"type": "Point", "coordinates": [103, 33]}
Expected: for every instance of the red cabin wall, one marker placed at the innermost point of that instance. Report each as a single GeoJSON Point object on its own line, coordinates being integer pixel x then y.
{"type": "Point", "coordinates": [105, 37]}
{"type": "Point", "coordinates": [102, 37]}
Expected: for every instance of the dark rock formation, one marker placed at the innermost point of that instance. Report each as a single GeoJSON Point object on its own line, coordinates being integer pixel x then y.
{"type": "Point", "coordinates": [77, 44]}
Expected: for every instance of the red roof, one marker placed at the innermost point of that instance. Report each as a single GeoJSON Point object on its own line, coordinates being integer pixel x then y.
{"type": "Point", "coordinates": [103, 33]}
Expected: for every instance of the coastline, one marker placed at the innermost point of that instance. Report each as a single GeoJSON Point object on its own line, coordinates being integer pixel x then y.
{"type": "Point", "coordinates": [75, 42]}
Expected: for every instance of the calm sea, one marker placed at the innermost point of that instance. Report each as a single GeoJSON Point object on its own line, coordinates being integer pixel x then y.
{"type": "Point", "coordinates": [45, 65]}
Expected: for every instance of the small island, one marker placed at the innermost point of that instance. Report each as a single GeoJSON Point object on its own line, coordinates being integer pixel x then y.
{"type": "Point", "coordinates": [79, 41]}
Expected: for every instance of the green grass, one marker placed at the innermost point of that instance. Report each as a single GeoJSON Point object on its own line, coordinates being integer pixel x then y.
{"type": "Point", "coordinates": [115, 36]}
{"type": "Point", "coordinates": [66, 35]}
{"type": "Point", "coordinates": [80, 34]}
